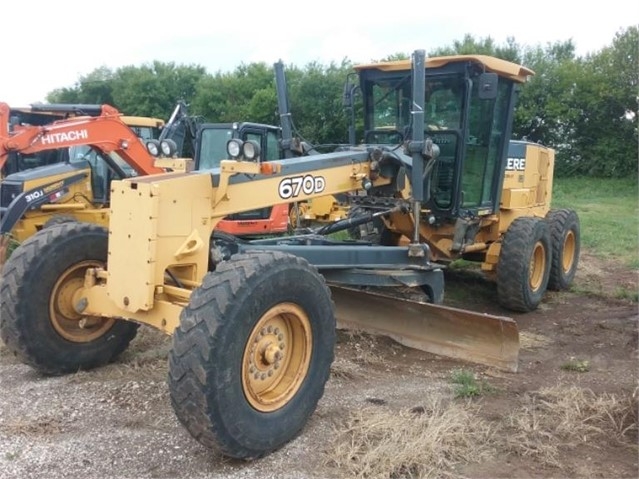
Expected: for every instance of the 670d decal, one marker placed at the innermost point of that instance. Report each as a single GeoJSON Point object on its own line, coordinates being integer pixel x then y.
{"type": "Point", "coordinates": [308, 184]}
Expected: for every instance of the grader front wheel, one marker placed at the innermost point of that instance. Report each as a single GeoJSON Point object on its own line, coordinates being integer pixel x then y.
{"type": "Point", "coordinates": [38, 321]}
{"type": "Point", "coordinates": [252, 353]}
{"type": "Point", "coordinates": [524, 264]}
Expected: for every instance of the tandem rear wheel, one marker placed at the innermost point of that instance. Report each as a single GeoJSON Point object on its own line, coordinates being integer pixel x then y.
{"type": "Point", "coordinates": [524, 264]}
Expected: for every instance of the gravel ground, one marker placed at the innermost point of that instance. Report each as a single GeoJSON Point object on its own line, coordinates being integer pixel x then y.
{"type": "Point", "coordinates": [117, 422]}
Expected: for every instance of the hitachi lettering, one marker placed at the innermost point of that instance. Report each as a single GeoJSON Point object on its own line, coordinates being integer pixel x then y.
{"type": "Point", "coordinates": [516, 164]}
{"type": "Point", "coordinates": [53, 138]}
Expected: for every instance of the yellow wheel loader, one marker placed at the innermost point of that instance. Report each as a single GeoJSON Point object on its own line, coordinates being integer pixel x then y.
{"type": "Point", "coordinates": [253, 322]}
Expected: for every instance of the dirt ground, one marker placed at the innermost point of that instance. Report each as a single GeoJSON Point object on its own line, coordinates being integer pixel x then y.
{"type": "Point", "coordinates": [117, 422]}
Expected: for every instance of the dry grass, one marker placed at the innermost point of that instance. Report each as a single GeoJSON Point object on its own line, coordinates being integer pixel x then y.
{"type": "Point", "coordinates": [528, 340]}
{"type": "Point", "coordinates": [427, 441]}
{"type": "Point", "coordinates": [43, 426]}
{"type": "Point", "coordinates": [434, 440]}
{"type": "Point", "coordinates": [567, 417]}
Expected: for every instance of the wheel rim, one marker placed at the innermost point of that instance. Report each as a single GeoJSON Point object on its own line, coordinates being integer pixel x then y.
{"type": "Point", "coordinates": [296, 216]}
{"type": "Point", "coordinates": [537, 266]}
{"type": "Point", "coordinates": [67, 322]}
{"type": "Point", "coordinates": [568, 257]}
{"type": "Point", "coordinates": [276, 357]}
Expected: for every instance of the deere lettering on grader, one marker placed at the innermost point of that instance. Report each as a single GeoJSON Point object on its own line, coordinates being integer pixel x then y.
{"type": "Point", "coordinates": [253, 322]}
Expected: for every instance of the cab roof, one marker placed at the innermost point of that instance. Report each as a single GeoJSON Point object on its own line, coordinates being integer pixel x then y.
{"type": "Point", "coordinates": [513, 71]}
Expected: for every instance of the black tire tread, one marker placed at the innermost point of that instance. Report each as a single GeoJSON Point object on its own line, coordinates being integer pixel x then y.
{"type": "Point", "coordinates": [559, 221]}
{"type": "Point", "coordinates": [20, 272]}
{"type": "Point", "coordinates": [514, 259]}
{"type": "Point", "coordinates": [189, 364]}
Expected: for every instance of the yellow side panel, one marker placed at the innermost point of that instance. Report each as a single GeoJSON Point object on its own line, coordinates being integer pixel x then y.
{"type": "Point", "coordinates": [516, 198]}
{"type": "Point", "coordinates": [132, 245]}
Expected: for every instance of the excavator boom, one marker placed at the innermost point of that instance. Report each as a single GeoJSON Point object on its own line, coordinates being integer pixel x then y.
{"type": "Point", "coordinates": [105, 132]}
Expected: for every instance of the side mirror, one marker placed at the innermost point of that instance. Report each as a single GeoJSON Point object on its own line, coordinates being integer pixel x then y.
{"type": "Point", "coordinates": [488, 86]}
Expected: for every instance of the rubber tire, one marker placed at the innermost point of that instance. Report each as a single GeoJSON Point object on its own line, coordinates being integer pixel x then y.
{"type": "Point", "coordinates": [58, 220]}
{"type": "Point", "coordinates": [561, 222]}
{"type": "Point", "coordinates": [513, 269]}
{"type": "Point", "coordinates": [28, 279]}
{"type": "Point", "coordinates": [205, 382]}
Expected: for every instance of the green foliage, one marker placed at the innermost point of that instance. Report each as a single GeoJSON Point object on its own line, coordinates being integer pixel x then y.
{"type": "Point", "coordinates": [585, 108]}
{"type": "Point", "coordinates": [467, 385]}
{"type": "Point", "coordinates": [576, 365]}
{"type": "Point", "coordinates": [608, 211]}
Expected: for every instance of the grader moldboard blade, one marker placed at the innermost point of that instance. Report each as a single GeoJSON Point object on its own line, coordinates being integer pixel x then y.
{"type": "Point", "coordinates": [445, 331]}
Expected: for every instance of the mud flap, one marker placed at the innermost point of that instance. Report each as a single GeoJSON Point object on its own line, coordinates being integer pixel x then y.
{"type": "Point", "coordinates": [445, 331]}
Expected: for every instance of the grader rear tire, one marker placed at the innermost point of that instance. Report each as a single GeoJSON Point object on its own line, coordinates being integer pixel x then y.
{"type": "Point", "coordinates": [524, 264]}
{"type": "Point", "coordinates": [566, 239]}
{"type": "Point", "coordinates": [252, 353]}
{"type": "Point", "coordinates": [37, 320]}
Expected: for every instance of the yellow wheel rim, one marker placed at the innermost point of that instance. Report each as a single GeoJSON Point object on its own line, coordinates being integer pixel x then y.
{"type": "Point", "coordinates": [67, 322]}
{"type": "Point", "coordinates": [296, 215]}
{"type": "Point", "coordinates": [568, 257]}
{"type": "Point", "coordinates": [276, 357]}
{"type": "Point", "coordinates": [537, 266]}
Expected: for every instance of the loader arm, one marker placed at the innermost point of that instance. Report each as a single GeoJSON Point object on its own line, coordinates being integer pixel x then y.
{"type": "Point", "coordinates": [106, 133]}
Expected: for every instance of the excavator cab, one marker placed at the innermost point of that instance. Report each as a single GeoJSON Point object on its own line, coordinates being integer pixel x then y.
{"type": "Point", "coordinates": [211, 149]}
{"type": "Point", "coordinates": [467, 115]}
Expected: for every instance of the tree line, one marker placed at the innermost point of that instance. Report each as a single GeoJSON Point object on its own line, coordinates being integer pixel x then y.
{"type": "Point", "coordinates": [583, 106]}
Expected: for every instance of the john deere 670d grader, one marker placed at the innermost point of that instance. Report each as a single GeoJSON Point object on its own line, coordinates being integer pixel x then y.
{"type": "Point", "coordinates": [253, 322]}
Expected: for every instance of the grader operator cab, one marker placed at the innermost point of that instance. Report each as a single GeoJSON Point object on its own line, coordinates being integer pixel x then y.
{"type": "Point", "coordinates": [487, 199]}
{"type": "Point", "coordinates": [253, 322]}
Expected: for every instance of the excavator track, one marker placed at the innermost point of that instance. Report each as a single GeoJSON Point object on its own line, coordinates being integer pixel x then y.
{"type": "Point", "coordinates": [441, 330]}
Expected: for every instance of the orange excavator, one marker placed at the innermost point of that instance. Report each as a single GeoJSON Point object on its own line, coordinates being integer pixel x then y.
{"type": "Point", "coordinates": [104, 147]}
{"type": "Point", "coordinates": [105, 132]}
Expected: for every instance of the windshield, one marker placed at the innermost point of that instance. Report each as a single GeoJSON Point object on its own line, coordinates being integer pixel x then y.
{"type": "Point", "coordinates": [213, 146]}
{"type": "Point", "coordinates": [146, 132]}
{"type": "Point", "coordinates": [391, 102]}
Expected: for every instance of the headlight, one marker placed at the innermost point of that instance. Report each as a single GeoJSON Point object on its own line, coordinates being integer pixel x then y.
{"type": "Point", "coordinates": [234, 148]}
{"type": "Point", "coordinates": [168, 147]}
{"type": "Point", "coordinates": [153, 147]}
{"type": "Point", "coordinates": [251, 150]}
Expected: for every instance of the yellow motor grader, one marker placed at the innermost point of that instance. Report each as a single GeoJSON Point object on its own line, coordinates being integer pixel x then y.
{"type": "Point", "coordinates": [253, 322]}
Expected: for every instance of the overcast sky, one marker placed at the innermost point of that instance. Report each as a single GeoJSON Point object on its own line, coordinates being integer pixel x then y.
{"type": "Point", "coordinates": [50, 44]}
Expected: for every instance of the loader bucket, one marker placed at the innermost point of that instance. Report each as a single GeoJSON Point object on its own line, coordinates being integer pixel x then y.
{"type": "Point", "coordinates": [445, 331]}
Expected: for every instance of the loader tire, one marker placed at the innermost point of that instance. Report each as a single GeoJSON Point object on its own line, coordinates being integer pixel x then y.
{"type": "Point", "coordinates": [37, 320]}
{"type": "Point", "coordinates": [524, 264]}
{"type": "Point", "coordinates": [252, 353]}
{"type": "Point", "coordinates": [566, 239]}
{"type": "Point", "coordinates": [58, 220]}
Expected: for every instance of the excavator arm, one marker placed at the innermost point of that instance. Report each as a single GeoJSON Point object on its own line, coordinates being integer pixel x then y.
{"type": "Point", "coordinates": [106, 133]}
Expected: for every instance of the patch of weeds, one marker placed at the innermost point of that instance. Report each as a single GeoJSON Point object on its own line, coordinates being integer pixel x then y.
{"type": "Point", "coordinates": [11, 456]}
{"type": "Point", "coordinates": [467, 385]}
{"type": "Point", "coordinates": [625, 293]}
{"type": "Point", "coordinates": [577, 365]}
